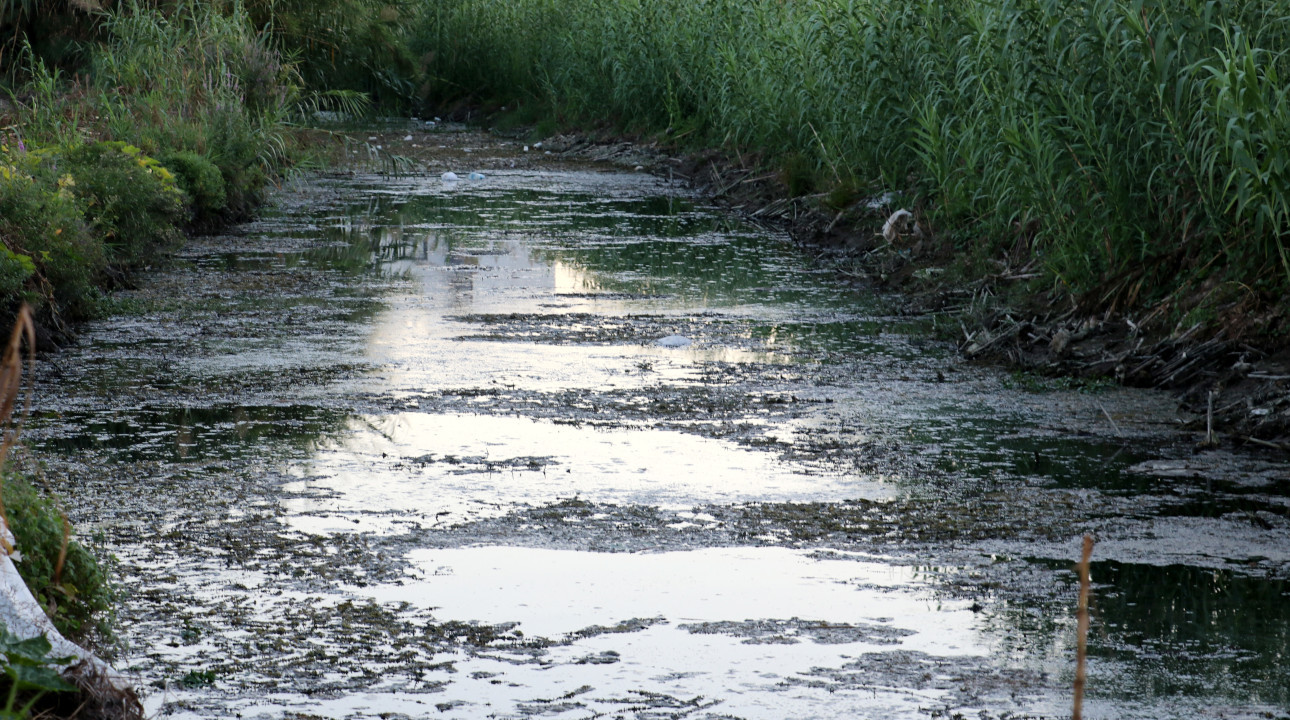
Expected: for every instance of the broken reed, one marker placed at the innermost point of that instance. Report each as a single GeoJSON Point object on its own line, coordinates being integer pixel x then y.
{"type": "Point", "coordinates": [1131, 147]}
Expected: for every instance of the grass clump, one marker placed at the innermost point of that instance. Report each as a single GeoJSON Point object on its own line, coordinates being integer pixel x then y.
{"type": "Point", "coordinates": [200, 180]}
{"type": "Point", "coordinates": [1134, 152]}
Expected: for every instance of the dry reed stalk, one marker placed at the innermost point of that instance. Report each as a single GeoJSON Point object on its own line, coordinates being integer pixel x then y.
{"type": "Point", "coordinates": [11, 365]}
{"type": "Point", "coordinates": [62, 551]}
{"type": "Point", "coordinates": [1081, 651]}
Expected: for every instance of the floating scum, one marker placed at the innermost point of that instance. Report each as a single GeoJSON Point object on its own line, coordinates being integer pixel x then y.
{"type": "Point", "coordinates": [415, 448]}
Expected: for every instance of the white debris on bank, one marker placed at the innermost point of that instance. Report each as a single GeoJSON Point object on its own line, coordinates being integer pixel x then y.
{"type": "Point", "coordinates": [25, 618]}
{"type": "Point", "coordinates": [896, 225]}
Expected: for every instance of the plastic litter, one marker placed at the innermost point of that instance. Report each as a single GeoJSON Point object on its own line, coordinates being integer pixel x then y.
{"type": "Point", "coordinates": [475, 176]}
{"type": "Point", "coordinates": [449, 176]}
{"type": "Point", "coordinates": [407, 138]}
{"type": "Point", "coordinates": [674, 341]}
{"type": "Point", "coordinates": [877, 202]}
{"type": "Point", "coordinates": [896, 225]}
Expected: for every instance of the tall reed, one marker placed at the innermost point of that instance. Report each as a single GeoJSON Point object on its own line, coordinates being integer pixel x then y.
{"type": "Point", "coordinates": [1137, 149]}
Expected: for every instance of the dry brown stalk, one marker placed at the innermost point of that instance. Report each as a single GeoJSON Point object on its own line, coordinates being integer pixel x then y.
{"type": "Point", "coordinates": [11, 365]}
{"type": "Point", "coordinates": [62, 551]}
{"type": "Point", "coordinates": [1081, 649]}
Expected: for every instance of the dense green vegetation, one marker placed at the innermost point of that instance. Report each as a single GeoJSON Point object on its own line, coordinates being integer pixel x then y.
{"type": "Point", "coordinates": [1137, 150]}
{"type": "Point", "coordinates": [174, 119]}
{"type": "Point", "coordinates": [1121, 153]}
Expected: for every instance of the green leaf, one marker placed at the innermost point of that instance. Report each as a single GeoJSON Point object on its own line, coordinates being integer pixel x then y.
{"type": "Point", "coordinates": [44, 678]}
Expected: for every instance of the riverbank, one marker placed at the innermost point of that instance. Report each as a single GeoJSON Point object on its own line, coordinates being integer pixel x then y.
{"type": "Point", "coordinates": [171, 123]}
{"type": "Point", "coordinates": [1231, 370]}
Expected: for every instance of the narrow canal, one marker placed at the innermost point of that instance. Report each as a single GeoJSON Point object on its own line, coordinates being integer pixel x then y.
{"type": "Point", "coordinates": [568, 442]}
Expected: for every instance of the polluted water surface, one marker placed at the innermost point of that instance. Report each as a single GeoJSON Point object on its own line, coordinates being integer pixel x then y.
{"type": "Point", "coordinates": [571, 443]}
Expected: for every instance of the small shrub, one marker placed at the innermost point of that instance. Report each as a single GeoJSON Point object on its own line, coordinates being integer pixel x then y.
{"type": "Point", "coordinates": [130, 199]}
{"type": "Point", "coordinates": [200, 180]}
{"type": "Point", "coordinates": [49, 253]}
{"type": "Point", "coordinates": [15, 269]}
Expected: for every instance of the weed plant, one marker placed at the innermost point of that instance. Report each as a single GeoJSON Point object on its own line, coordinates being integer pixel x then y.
{"type": "Point", "coordinates": [197, 81]}
{"type": "Point", "coordinates": [1137, 151]}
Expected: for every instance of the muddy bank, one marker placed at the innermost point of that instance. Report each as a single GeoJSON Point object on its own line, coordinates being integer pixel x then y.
{"type": "Point", "coordinates": [408, 447]}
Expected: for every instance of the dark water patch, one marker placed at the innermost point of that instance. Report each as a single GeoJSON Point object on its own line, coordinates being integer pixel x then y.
{"type": "Point", "coordinates": [191, 434]}
{"type": "Point", "coordinates": [1171, 630]}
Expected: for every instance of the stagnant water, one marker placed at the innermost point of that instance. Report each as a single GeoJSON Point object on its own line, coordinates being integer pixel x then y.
{"type": "Point", "coordinates": [407, 448]}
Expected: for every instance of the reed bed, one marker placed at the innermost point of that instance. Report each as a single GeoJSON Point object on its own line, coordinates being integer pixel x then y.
{"type": "Point", "coordinates": [1135, 151]}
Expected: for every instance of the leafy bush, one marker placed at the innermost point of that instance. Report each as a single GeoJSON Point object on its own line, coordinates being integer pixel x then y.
{"type": "Point", "coordinates": [49, 251]}
{"type": "Point", "coordinates": [200, 180]}
{"type": "Point", "coordinates": [131, 201]}
{"type": "Point", "coordinates": [15, 269]}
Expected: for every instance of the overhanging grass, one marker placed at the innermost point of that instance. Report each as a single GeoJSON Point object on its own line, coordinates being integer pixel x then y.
{"type": "Point", "coordinates": [1138, 152]}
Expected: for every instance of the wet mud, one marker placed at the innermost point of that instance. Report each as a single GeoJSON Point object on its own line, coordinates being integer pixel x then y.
{"type": "Point", "coordinates": [409, 448]}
